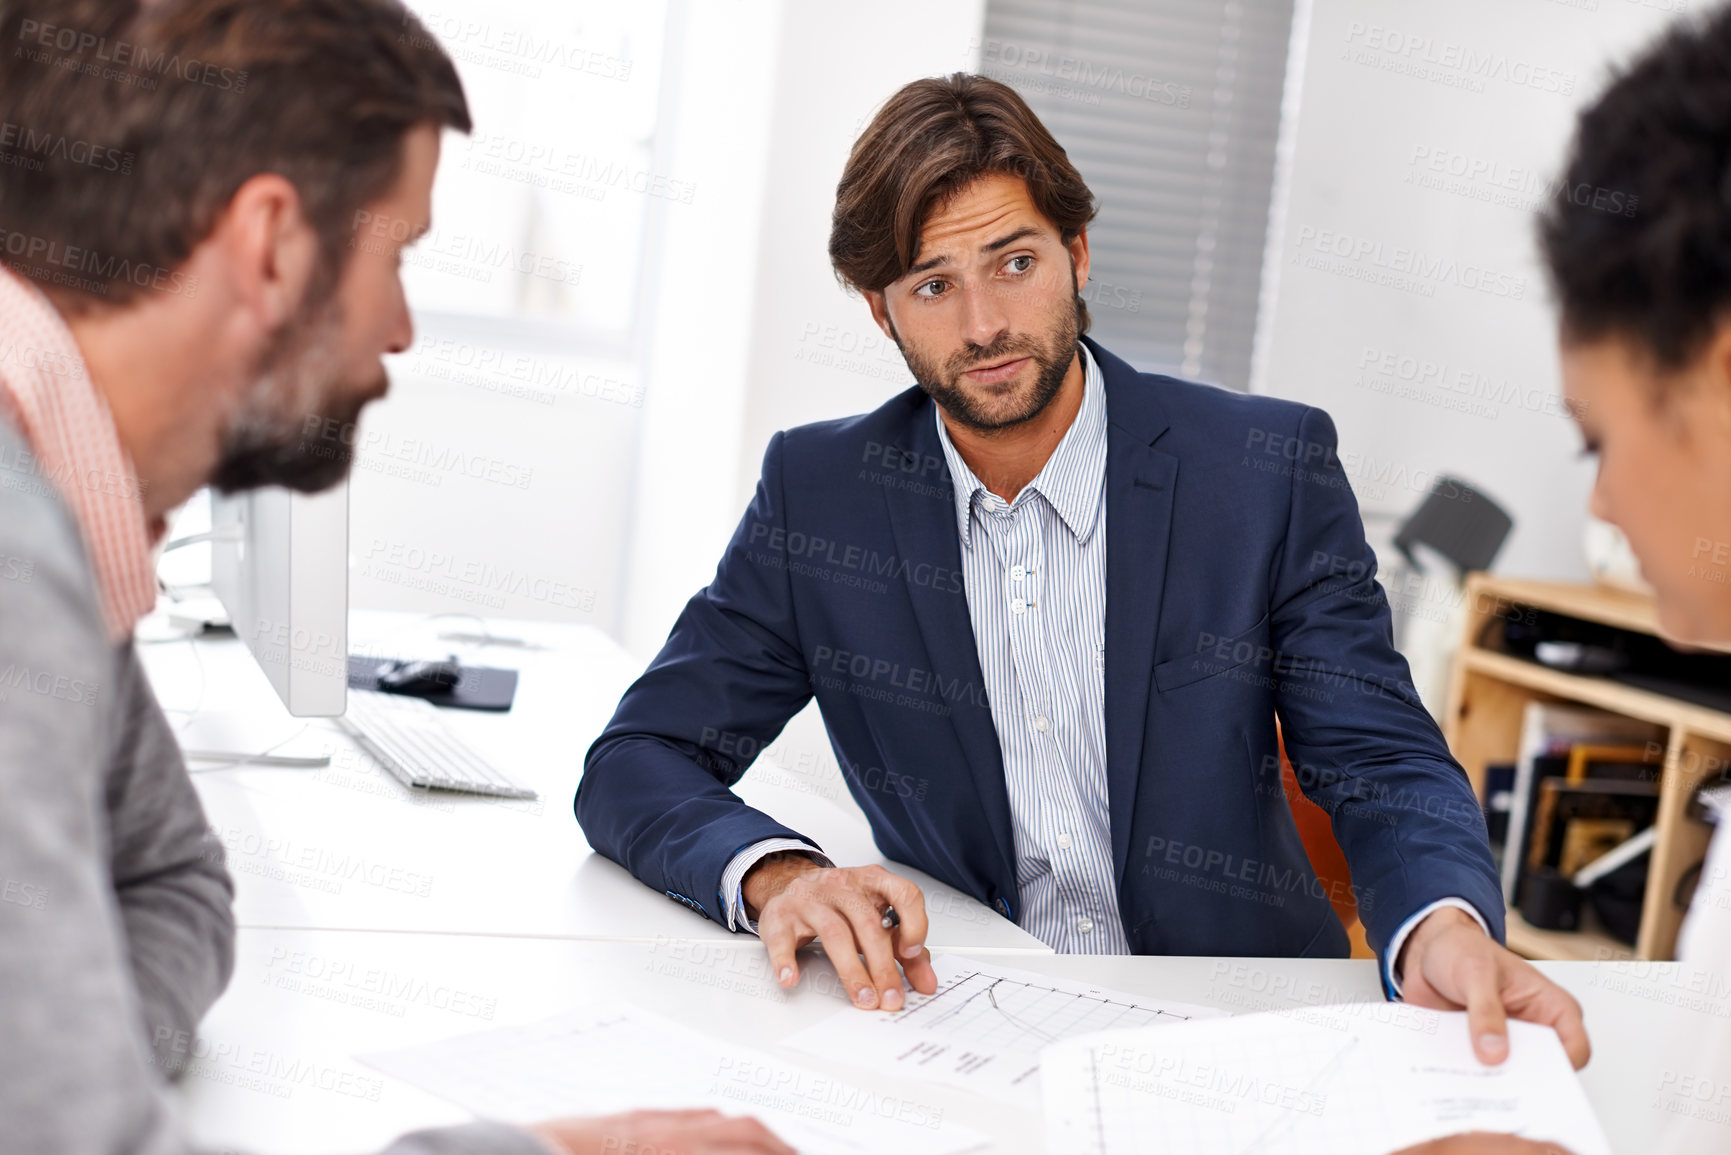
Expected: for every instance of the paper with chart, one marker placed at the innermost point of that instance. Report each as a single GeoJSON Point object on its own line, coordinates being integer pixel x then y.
{"type": "Point", "coordinates": [984, 1027]}
{"type": "Point", "coordinates": [1357, 1079]}
{"type": "Point", "coordinates": [624, 1058]}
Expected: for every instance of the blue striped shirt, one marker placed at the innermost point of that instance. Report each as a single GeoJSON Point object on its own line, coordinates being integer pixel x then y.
{"type": "Point", "coordinates": [1035, 573]}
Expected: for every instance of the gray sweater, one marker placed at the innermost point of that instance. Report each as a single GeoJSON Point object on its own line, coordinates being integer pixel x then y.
{"type": "Point", "coordinates": [116, 929]}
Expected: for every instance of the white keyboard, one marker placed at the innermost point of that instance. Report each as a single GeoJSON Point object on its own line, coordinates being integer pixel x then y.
{"type": "Point", "coordinates": [411, 740]}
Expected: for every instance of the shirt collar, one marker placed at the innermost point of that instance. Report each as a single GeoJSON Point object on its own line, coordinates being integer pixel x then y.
{"type": "Point", "coordinates": [1072, 480]}
{"type": "Point", "coordinates": [47, 393]}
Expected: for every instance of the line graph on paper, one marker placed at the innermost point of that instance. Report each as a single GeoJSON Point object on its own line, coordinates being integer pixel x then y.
{"type": "Point", "coordinates": [1260, 1097]}
{"type": "Point", "coordinates": [984, 1027]}
{"type": "Point", "coordinates": [993, 1012]}
{"type": "Point", "coordinates": [1353, 1079]}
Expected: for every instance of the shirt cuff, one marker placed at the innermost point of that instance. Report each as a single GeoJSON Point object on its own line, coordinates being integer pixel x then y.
{"type": "Point", "coordinates": [733, 878]}
{"type": "Point", "coordinates": [1406, 928]}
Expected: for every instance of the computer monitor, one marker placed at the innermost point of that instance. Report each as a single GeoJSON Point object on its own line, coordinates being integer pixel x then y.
{"type": "Point", "coordinates": [280, 566]}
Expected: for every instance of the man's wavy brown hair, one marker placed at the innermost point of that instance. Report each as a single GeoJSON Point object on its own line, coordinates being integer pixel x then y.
{"type": "Point", "coordinates": [932, 139]}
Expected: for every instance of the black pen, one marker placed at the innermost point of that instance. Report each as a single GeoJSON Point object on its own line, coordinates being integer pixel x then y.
{"type": "Point", "coordinates": [891, 919]}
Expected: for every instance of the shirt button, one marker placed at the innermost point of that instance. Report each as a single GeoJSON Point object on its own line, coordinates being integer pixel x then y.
{"type": "Point", "coordinates": [1018, 572]}
{"type": "Point", "coordinates": [1064, 841]}
{"type": "Point", "coordinates": [1042, 723]}
{"type": "Point", "coordinates": [1084, 925]}
{"type": "Point", "coordinates": [1018, 605]}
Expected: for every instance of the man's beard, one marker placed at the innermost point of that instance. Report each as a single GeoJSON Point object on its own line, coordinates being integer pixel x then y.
{"type": "Point", "coordinates": [1052, 359]}
{"type": "Point", "coordinates": [290, 428]}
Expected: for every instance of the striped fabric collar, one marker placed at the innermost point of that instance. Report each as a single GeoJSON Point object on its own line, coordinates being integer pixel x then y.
{"type": "Point", "coordinates": [1073, 479]}
{"type": "Point", "coordinates": [46, 393]}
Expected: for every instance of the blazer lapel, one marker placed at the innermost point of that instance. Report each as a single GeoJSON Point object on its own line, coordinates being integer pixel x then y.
{"type": "Point", "coordinates": [925, 531]}
{"type": "Point", "coordinates": [1140, 485]}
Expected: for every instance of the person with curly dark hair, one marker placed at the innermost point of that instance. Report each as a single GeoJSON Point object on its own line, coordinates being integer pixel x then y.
{"type": "Point", "coordinates": [1644, 326]}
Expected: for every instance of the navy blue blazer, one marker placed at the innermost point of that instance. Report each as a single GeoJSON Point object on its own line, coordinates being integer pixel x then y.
{"type": "Point", "coordinates": [1239, 589]}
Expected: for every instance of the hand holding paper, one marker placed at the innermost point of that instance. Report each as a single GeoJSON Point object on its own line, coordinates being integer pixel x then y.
{"type": "Point", "coordinates": [1357, 1079]}
{"type": "Point", "coordinates": [1449, 963]}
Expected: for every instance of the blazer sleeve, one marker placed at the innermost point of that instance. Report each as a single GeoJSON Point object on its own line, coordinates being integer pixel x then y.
{"type": "Point", "coordinates": [1362, 744]}
{"type": "Point", "coordinates": [84, 971]}
{"type": "Point", "coordinates": [176, 898]}
{"type": "Point", "coordinates": [655, 795]}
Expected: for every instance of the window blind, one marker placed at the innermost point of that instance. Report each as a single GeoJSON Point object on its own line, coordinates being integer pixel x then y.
{"type": "Point", "coordinates": [1171, 111]}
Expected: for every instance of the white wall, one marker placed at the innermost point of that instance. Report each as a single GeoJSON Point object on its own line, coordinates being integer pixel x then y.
{"type": "Point", "coordinates": [749, 342]}
{"type": "Point", "coordinates": [703, 282]}
{"type": "Point", "coordinates": [1428, 373]}
{"type": "Point", "coordinates": [494, 479]}
{"type": "Point", "coordinates": [469, 498]}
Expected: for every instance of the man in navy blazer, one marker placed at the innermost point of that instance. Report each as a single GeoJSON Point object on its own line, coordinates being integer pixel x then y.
{"type": "Point", "coordinates": [1075, 726]}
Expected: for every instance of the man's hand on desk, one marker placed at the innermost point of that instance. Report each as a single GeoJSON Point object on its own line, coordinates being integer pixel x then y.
{"type": "Point", "coordinates": [661, 1132]}
{"type": "Point", "coordinates": [1448, 963]}
{"type": "Point", "coordinates": [794, 900]}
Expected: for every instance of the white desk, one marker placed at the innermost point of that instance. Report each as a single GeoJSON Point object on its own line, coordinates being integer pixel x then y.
{"type": "Point", "coordinates": [283, 1016]}
{"type": "Point", "coordinates": [491, 912]}
{"type": "Point", "coordinates": [348, 847]}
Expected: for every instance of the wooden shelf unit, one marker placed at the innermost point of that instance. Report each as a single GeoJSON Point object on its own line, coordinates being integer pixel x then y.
{"type": "Point", "coordinates": [1488, 693]}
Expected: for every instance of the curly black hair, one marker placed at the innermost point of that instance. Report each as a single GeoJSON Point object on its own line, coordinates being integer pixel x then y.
{"type": "Point", "coordinates": [1637, 232]}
